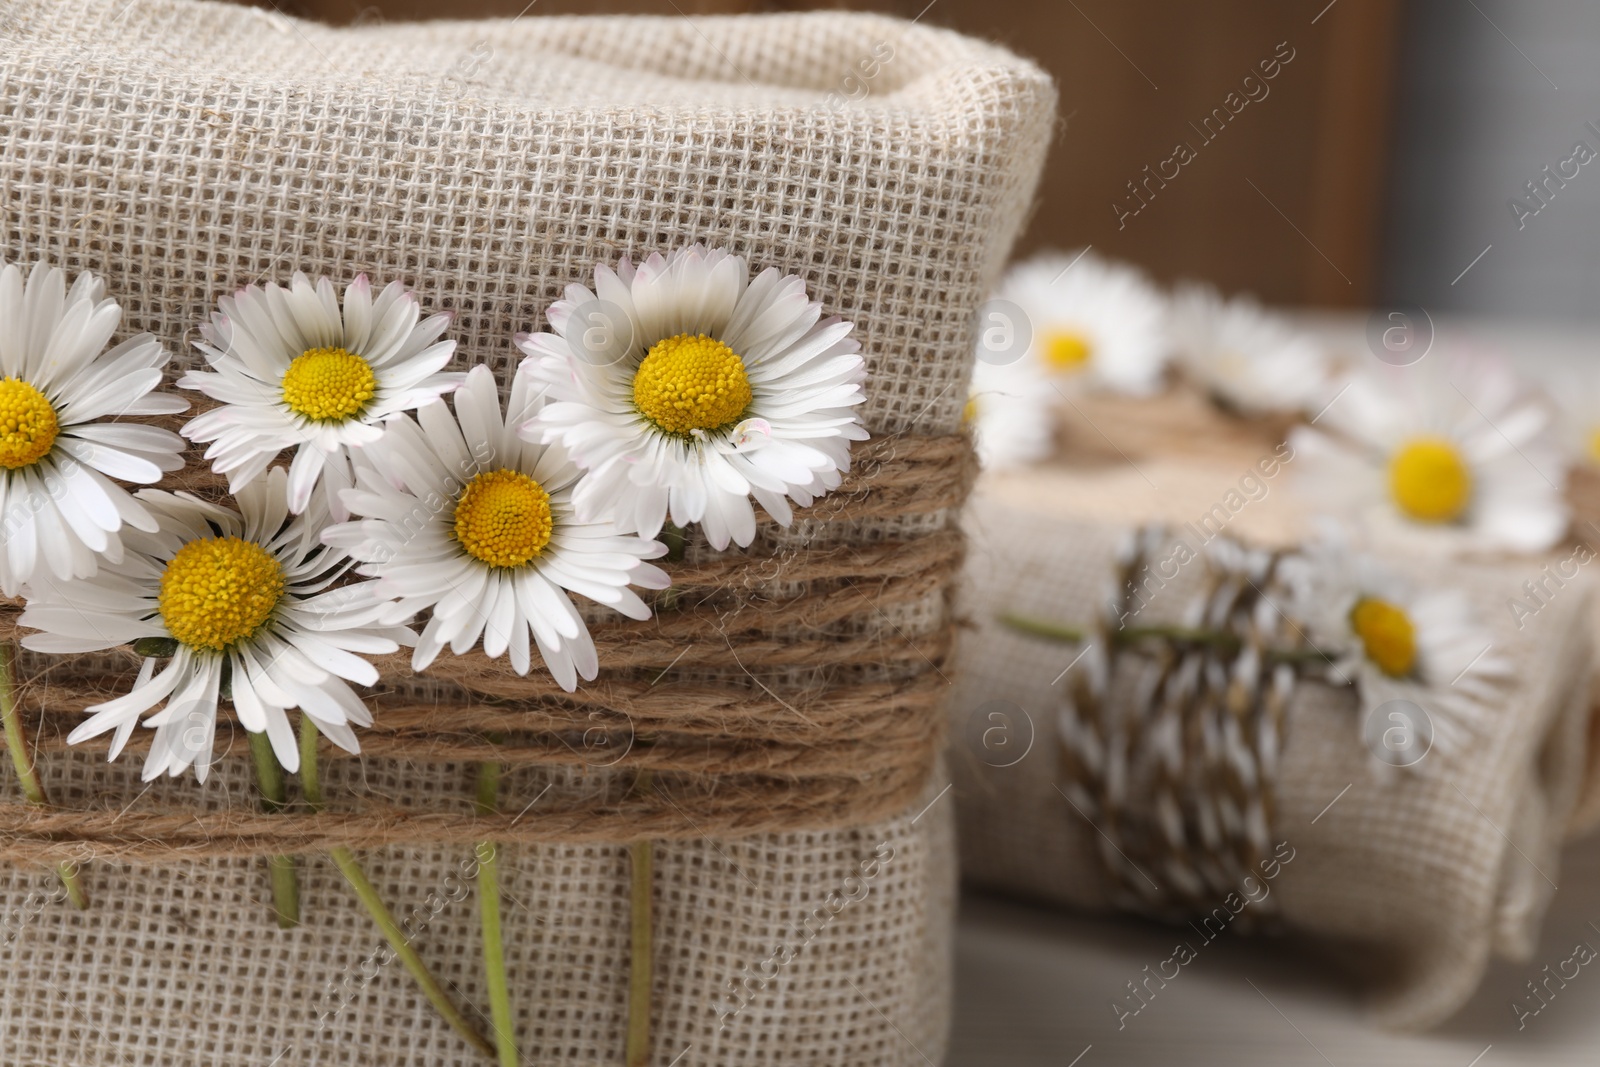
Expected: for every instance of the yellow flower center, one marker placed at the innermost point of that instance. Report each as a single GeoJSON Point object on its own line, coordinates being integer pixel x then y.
{"type": "Point", "coordinates": [218, 591]}
{"type": "Point", "coordinates": [28, 424]}
{"type": "Point", "coordinates": [1594, 446]}
{"type": "Point", "coordinates": [1387, 635]}
{"type": "Point", "coordinates": [969, 413]}
{"type": "Point", "coordinates": [503, 518]}
{"type": "Point", "coordinates": [328, 384]}
{"type": "Point", "coordinates": [1430, 480]}
{"type": "Point", "coordinates": [1066, 350]}
{"type": "Point", "coordinates": [691, 382]}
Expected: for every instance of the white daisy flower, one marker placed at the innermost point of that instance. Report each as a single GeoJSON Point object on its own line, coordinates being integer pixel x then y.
{"type": "Point", "coordinates": [1093, 321]}
{"type": "Point", "coordinates": [1456, 455]}
{"type": "Point", "coordinates": [1577, 396]}
{"type": "Point", "coordinates": [466, 517]}
{"type": "Point", "coordinates": [296, 370]}
{"type": "Point", "coordinates": [1396, 642]}
{"type": "Point", "coordinates": [243, 594]}
{"type": "Point", "coordinates": [712, 389]}
{"type": "Point", "coordinates": [60, 445]}
{"type": "Point", "coordinates": [1011, 411]}
{"type": "Point", "coordinates": [1247, 358]}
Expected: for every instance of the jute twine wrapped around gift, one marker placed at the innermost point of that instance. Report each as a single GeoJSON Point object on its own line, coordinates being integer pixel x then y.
{"type": "Point", "coordinates": [783, 698]}
{"type": "Point", "coordinates": [850, 737]}
{"type": "Point", "coordinates": [1241, 797]}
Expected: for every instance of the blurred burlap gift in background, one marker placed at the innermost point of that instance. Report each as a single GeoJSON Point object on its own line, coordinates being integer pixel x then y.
{"type": "Point", "coordinates": [181, 149]}
{"type": "Point", "coordinates": [1413, 876]}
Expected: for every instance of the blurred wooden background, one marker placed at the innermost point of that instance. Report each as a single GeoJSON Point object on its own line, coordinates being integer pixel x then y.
{"type": "Point", "coordinates": [1284, 199]}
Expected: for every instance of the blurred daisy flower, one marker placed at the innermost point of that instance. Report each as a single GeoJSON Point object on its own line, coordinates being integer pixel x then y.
{"type": "Point", "coordinates": [293, 368]}
{"type": "Point", "coordinates": [1011, 412]}
{"type": "Point", "coordinates": [1096, 322]}
{"type": "Point", "coordinates": [1577, 397]}
{"type": "Point", "coordinates": [1457, 455]}
{"type": "Point", "coordinates": [61, 391]}
{"type": "Point", "coordinates": [684, 387]}
{"type": "Point", "coordinates": [1396, 642]}
{"type": "Point", "coordinates": [1247, 358]}
{"type": "Point", "coordinates": [241, 597]}
{"type": "Point", "coordinates": [463, 516]}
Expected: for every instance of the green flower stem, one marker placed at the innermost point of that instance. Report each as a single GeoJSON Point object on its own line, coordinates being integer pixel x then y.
{"type": "Point", "coordinates": [345, 860]}
{"type": "Point", "coordinates": [1053, 631]}
{"type": "Point", "coordinates": [640, 970]}
{"type": "Point", "coordinates": [676, 539]}
{"type": "Point", "coordinates": [274, 799]}
{"type": "Point", "coordinates": [640, 973]}
{"type": "Point", "coordinates": [22, 760]}
{"type": "Point", "coordinates": [494, 955]}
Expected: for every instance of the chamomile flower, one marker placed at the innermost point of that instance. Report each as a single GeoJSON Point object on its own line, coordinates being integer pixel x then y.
{"type": "Point", "coordinates": [60, 445]}
{"type": "Point", "coordinates": [1244, 356]}
{"type": "Point", "coordinates": [295, 369]}
{"type": "Point", "coordinates": [244, 597]}
{"type": "Point", "coordinates": [1578, 398]}
{"type": "Point", "coordinates": [463, 516]}
{"type": "Point", "coordinates": [1446, 455]}
{"type": "Point", "coordinates": [1395, 641]}
{"type": "Point", "coordinates": [1095, 322]}
{"type": "Point", "coordinates": [710, 388]}
{"type": "Point", "coordinates": [1010, 410]}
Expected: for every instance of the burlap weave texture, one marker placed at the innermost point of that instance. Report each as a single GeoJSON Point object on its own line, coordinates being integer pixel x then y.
{"type": "Point", "coordinates": [182, 149]}
{"type": "Point", "coordinates": [181, 963]}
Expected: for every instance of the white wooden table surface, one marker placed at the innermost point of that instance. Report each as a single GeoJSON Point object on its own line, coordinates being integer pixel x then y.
{"type": "Point", "coordinates": [1034, 987]}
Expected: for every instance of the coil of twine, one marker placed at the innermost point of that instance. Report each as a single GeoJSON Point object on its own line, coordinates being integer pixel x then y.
{"type": "Point", "coordinates": [772, 691]}
{"type": "Point", "coordinates": [1170, 747]}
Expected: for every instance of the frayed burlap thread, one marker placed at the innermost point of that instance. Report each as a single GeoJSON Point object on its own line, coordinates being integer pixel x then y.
{"type": "Point", "coordinates": [783, 698]}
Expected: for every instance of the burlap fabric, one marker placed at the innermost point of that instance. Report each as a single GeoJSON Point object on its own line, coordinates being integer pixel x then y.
{"type": "Point", "coordinates": [181, 149]}
{"type": "Point", "coordinates": [1422, 873]}
{"type": "Point", "coordinates": [180, 963]}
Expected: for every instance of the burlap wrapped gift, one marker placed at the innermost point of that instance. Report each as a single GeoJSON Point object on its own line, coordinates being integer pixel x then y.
{"type": "Point", "coordinates": [182, 149]}
{"type": "Point", "coordinates": [1177, 459]}
{"type": "Point", "coordinates": [1419, 875]}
